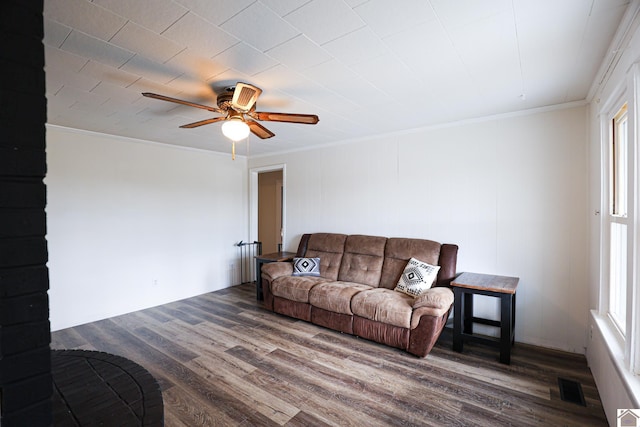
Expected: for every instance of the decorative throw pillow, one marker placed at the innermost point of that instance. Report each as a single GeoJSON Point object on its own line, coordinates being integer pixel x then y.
{"type": "Point", "coordinates": [417, 277]}
{"type": "Point", "coordinates": [306, 266]}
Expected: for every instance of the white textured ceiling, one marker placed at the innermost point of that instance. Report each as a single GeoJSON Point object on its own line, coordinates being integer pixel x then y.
{"type": "Point", "coordinates": [364, 67]}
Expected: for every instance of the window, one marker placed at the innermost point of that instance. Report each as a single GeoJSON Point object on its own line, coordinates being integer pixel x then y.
{"type": "Point", "coordinates": [619, 155]}
{"type": "Point", "coordinates": [618, 219]}
{"type": "Point", "coordinates": [617, 317]}
{"type": "Point", "coordinates": [618, 276]}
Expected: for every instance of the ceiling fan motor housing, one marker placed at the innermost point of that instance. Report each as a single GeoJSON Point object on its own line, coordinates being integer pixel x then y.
{"type": "Point", "coordinates": [224, 99]}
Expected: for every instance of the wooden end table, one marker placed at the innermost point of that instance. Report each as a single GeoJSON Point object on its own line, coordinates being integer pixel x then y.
{"type": "Point", "coordinates": [465, 287]}
{"type": "Point", "coordinates": [264, 259]}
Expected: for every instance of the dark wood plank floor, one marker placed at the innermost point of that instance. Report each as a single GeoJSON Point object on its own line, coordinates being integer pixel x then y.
{"type": "Point", "coordinates": [221, 359]}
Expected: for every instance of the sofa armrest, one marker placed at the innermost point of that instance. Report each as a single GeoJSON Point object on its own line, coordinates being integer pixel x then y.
{"type": "Point", "coordinates": [434, 302]}
{"type": "Point", "coordinates": [273, 270]}
{"type": "Point", "coordinates": [439, 298]}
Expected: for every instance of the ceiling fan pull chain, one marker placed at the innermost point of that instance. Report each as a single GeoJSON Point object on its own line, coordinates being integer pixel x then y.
{"type": "Point", "coordinates": [233, 150]}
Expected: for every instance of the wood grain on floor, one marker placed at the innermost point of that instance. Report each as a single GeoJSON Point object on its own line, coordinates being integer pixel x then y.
{"type": "Point", "coordinates": [221, 359]}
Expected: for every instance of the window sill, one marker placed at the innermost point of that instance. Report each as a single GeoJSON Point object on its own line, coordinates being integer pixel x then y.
{"type": "Point", "coordinates": [615, 348]}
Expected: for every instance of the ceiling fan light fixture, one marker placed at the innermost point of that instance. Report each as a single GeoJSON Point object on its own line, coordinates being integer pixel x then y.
{"type": "Point", "coordinates": [235, 129]}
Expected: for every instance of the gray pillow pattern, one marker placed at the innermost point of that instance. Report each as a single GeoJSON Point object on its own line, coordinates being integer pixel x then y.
{"type": "Point", "coordinates": [306, 266]}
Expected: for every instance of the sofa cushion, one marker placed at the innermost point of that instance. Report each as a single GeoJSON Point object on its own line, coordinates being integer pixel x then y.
{"type": "Point", "coordinates": [329, 247]}
{"type": "Point", "coordinates": [335, 296]}
{"type": "Point", "coordinates": [306, 267]}
{"type": "Point", "coordinates": [383, 305]}
{"type": "Point", "coordinates": [295, 288]}
{"type": "Point", "coordinates": [362, 259]}
{"type": "Point", "coordinates": [417, 277]}
{"type": "Point", "coordinates": [399, 250]}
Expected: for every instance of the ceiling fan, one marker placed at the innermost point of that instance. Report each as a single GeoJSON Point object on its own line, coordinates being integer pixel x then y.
{"type": "Point", "coordinates": [235, 103]}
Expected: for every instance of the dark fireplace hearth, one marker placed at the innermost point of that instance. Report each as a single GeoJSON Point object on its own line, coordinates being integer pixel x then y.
{"type": "Point", "coordinates": [95, 388]}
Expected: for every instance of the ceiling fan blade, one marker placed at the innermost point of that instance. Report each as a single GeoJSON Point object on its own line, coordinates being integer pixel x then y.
{"type": "Point", "coordinates": [244, 97]}
{"type": "Point", "coordinates": [180, 101]}
{"type": "Point", "coordinates": [203, 122]}
{"type": "Point", "coordinates": [309, 119]}
{"type": "Point", "coordinates": [259, 130]}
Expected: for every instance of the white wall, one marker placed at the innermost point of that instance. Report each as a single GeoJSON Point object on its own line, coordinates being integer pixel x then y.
{"type": "Point", "coordinates": [133, 225]}
{"type": "Point", "coordinates": [510, 191]}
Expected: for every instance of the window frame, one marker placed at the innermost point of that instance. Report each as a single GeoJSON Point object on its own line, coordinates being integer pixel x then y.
{"type": "Point", "coordinates": [628, 339]}
{"type": "Point", "coordinates": [618, 212]}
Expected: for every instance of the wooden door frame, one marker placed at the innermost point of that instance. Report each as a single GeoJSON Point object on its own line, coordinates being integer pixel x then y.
{"type": "Point", "coordinates": [253, 199]}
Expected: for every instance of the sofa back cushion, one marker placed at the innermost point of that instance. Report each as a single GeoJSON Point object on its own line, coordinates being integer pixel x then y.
{"type": "Point", "coordinates": [362, 260]}
{"type": "Point", "coordinates": [329, 247]}
{"type": "Point", "coordinates": [399, 251]}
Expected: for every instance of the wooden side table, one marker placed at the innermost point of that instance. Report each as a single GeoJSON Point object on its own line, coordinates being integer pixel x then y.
{"type": "Point", "coordinates": [266, 258]}
{"type": "Point", "coordinates": [465, 287]}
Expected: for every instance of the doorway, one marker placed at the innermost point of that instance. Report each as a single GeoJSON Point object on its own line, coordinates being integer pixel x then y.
{"type": "Point", "coordinates": [267, 217]}
{"type": "Point", "coordinates": [270, 210]}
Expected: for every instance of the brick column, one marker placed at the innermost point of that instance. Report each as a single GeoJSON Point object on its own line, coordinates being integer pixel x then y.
{"type": "Point", "coordinates": [25, 360]}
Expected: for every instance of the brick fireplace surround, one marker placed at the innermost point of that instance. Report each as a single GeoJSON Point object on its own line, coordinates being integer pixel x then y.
{"type": "Point", "coordinates": [25, 361]}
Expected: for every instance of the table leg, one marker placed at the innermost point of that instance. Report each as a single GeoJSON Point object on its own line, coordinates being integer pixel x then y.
{"type": "Point", "coordinates": [458, 309]}
{"type": "Point", "coordinates": [468, 313]}
{"type": "Point", "coordinates": [513, 319]}
{"type": "Point", "coordinates": [259, 296]}
{"type": "Point", "coordinates": [506, 327]}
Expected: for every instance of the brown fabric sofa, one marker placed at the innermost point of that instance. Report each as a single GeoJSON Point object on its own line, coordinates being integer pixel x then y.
{"type": "Point", "coordinates": [355, 292]}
